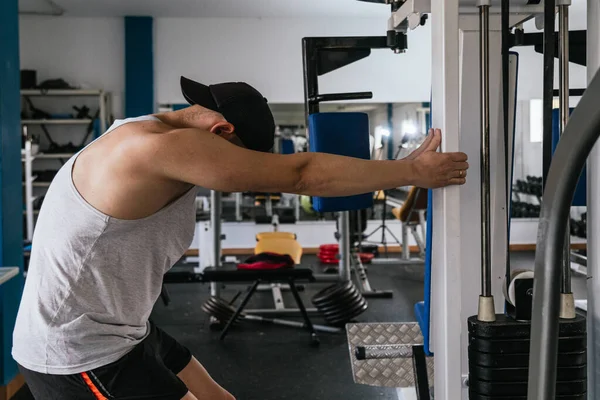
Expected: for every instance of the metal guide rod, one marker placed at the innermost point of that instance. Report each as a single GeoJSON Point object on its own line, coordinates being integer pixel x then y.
{"type": "Point", "coordinates": [486, 310]}
{"type": "Point", "coordinates": [344, 231]}
{"type": "Point", "coordinates": [563, 29]}
{"type": "Point", "coordinates": [486, 287]}
{"type": "Point", "coordinates": [505, 18]}
{"type": "Point", "coordinates": [215, 223]}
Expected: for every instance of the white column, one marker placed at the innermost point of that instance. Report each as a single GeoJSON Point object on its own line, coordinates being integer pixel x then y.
{"type": "Point", "coordinates": [446, 268]}
{"type": "Point", "coordinates": [593, 217]}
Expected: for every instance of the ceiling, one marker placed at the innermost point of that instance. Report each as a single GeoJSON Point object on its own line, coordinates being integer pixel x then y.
{"type": "Point", "coordinates": [236, 8]}
{"type": "Point", "coordinates": [211, 8]}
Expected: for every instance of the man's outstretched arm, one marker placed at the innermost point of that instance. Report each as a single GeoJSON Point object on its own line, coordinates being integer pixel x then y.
{"type": "Point", "coordinates": [206, 160]}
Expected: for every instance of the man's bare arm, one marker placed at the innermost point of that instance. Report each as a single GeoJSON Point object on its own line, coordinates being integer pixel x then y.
{"type": "Point", "coordinates": [206, 160]}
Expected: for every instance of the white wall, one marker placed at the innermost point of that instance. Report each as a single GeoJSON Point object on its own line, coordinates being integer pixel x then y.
{"type": "Point", "coordinates": [83, 51]}
{"type": "Point", "coordinates": [267, 53]}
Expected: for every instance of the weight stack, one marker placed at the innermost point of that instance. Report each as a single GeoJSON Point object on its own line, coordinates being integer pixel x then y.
{"type": "Point", "coordinates": [499, 359]}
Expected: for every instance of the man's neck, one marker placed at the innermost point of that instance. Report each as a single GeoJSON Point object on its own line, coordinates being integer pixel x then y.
{"type": "Point", "coordinates": [178, 120]}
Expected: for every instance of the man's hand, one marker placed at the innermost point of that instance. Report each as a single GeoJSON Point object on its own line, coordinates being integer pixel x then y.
{"type": "Point", "coordinates": [434, 170]}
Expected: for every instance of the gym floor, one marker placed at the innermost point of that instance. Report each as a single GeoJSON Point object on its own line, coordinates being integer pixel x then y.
{"type": "Point", "coordinates": [265, 362]}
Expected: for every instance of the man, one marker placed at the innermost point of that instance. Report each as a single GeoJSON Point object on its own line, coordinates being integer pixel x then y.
{"type": "Point", "coordinates": [121, 212]}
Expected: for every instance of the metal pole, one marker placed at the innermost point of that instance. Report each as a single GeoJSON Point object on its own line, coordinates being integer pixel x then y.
{"type": "Point", "coordinates": [238, 206]}
{"type": "Point", "coordinates": [486, 302]}
{"type": "Point", "coordinates": [297, 207]}
{"type": "Point", "coordinates": [344, 264]}
{"type": "Point", "coordinates": [215, 223]}
{"type": "Point", "coordinates": [567, 303]}
{"type": "Point", "coordinates": [571, 153]}
{"type": "Point", "coordinates": [405, 246]}
{"type": "Point", "coordinates": [103, 119]}
{"type": "Point", "coordinates": [486, 286]}
{"type": "Point", "coordinates": [548, 95]}
{"type": "Point", "coordinates": [593, 219]}
{"type": "Point", "coordinates": [28, 184]}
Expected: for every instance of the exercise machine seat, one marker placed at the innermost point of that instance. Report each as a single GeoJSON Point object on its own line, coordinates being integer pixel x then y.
{"type": "Point", "coordinates": [416, 201]}
{"type": "Point", "coordinates": [275, 235]}
{"type": "Point", "coordinates": [278, 245]}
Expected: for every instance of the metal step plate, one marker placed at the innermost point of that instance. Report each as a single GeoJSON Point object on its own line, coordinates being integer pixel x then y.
{"type": "Point", "coordinates": [386, 372]}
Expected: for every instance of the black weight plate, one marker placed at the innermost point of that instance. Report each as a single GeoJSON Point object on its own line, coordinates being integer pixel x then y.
{"type": "Point", "coordinates": [335, 295]}
{"type": "Point", "coordinates": [219, 309]}
{"type": "Point", "coordinates": [511, 346]}
{"type": "Point", "coordinates": [522, 360]}
{"type": "Point", "coordinates": [355, 312]}
{"type": "Point", "coordinates": [506, 327]}
{"type": "Point", "coordinates": [564, 374]}
{"type": "Point", "coordinates": [346, 315]}
{"type": "Point", "coordinates": [520, 389]}
{"type": "Point", "coordinates": [221, 306]}
{"type": "Point", "coordinates": [346, 298]}
{"type": "Point", "coordinates": [332, 290]}
{"type": "Point", "coordinates": [337, 299]}
{"type": "Point", "coordinates": [342, 304]}
{"type": "Point", "coordinates": [347, 312]}
{"type": "Point", "coordinates": [476, 396]}
{"type": "Point", "coordinates": [216, 312]}
{"type": "Point", "coordinates": [343, 321]}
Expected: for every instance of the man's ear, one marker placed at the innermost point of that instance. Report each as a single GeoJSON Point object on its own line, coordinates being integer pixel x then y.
{"type": "Point", "coordinates": [222, 128]}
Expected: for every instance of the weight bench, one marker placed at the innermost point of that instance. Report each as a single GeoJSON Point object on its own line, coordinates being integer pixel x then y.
{"type": "Point", "coordinates": [285, 275]}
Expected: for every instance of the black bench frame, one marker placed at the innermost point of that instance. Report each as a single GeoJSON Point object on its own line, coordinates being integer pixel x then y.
{"type": "Point", "coordinates": [290, 276]}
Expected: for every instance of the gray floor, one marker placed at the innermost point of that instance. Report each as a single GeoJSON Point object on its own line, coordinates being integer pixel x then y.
{"type": "Point", "coordinates": [259, 361]}
{"type": "Point", "coordinates": [265, 362]}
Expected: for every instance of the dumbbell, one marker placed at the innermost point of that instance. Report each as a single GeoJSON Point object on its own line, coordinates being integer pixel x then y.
{"type": "Point", "coordinates": [521, 186]}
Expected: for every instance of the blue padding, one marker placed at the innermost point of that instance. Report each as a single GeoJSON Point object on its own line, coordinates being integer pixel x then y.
{"type": "Point", "coordinates": [287, 146]}
{"type": "Point", "coordinates": [423, 309]}
{"type": "Point", "coordinates": [344, 134]}
{"type": "Point", "coordinates": [579, 199]}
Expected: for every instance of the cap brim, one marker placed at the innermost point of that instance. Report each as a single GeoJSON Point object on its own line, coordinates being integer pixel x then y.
{"type": "Point", "coordinates": [197, 93]}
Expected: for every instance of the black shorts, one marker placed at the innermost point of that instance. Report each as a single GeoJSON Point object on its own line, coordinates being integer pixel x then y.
{"type": "Point", "coordinates": [149, 372]}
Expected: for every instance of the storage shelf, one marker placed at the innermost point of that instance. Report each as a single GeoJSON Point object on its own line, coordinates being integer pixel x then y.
{"type": "Point", "coordinates": [35, 212]}
{"type": "Point", "coordinates": [60, 92]}
{"type": "Point", "coordinates": [57, 122]}
{"type": "Point", "coordinates": [68, 121]}
{"type": "Point", "coordinates": [54, 155]}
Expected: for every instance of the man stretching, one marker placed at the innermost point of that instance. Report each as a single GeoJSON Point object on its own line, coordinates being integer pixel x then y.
{"type": "Point", "coordinates": [121, 212]}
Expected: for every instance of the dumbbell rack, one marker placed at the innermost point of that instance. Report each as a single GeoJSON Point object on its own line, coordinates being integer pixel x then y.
{"type": "Point", "coordinates": [530, 188]}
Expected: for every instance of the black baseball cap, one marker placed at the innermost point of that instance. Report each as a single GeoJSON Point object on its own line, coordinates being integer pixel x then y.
{"type": "Point", "coordinates": [241, 105]}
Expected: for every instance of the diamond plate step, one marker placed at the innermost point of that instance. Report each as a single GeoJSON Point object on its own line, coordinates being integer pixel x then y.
{"type": "Point", "coordinates": [390, 372]}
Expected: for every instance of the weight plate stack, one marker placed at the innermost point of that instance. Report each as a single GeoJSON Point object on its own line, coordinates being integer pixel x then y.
{"type": "Point", "coordinates": [340, 303]}
{"type": "Point", "coordinates": [499, 359]}
{"type": "Point", "coordinates": [220, 309]}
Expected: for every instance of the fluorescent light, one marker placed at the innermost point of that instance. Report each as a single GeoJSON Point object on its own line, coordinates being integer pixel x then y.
{"type": "Point", "coordinates": [381, 131]}
{"type": "Point", "coordinates": [409, 128]}
{"type": "Point", "coordinates": [536, 120]}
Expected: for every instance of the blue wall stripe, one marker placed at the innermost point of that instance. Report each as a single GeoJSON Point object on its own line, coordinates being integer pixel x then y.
{"type": "Point", "coordinates": [11, 198]}
{"type": "Point", "coordinates": [139, 66]}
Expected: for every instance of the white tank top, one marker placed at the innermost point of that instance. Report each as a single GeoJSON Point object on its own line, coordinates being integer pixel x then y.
{"type": "Point", "coordinates": [93, 279]}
